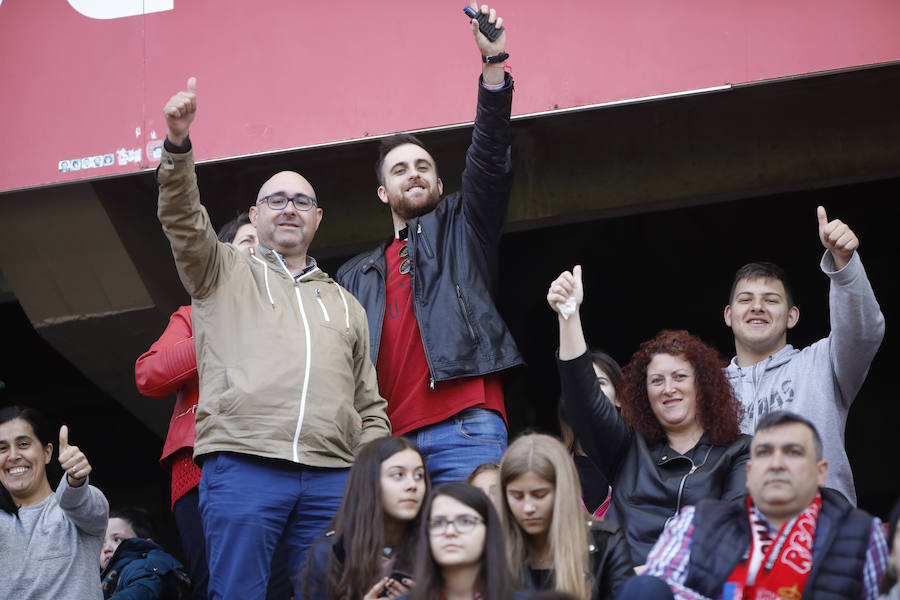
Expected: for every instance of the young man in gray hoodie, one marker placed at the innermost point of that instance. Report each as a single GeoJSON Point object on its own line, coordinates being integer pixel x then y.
{"type": "Point", "coordinates": [821, 380]}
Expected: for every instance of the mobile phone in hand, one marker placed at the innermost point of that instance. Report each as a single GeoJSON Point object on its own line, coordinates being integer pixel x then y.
{"type": "Point", "coordinates": [397, 576]}
{"type": "Point", "coordinates": [488, 29]}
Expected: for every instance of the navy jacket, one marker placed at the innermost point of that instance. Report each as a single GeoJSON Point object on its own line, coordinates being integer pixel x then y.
{"type": "Point", "coordinates": [454, 260]}
{"type": "Point", "coordinates": [141, 570]}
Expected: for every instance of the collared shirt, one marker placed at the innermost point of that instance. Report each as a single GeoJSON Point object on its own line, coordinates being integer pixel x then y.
{"type": "Point", "coordinates": [670, 557]}
{"type": "Point", "coordinates": [310, 261]}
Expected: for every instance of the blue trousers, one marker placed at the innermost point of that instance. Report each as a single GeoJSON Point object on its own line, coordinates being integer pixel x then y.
{"type": "Point", "coordinates": [248, 505]}
{"type": "Point", "coordinates": [190, 527]}
{"type": "Point", "coordinates": [454, 447]}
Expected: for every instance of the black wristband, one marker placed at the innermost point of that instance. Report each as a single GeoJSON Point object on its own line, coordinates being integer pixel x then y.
{"type": "Point", "coordinates": [181, 148]}
{"type": "Point", "coordinates": [497, 58]}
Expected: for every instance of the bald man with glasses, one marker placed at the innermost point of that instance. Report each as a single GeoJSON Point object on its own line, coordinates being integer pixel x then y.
{"type": "Point", "coordinates": [287, 390]}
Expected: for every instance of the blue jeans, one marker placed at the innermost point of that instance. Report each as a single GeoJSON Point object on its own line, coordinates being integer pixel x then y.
{"type": "Point", "coordinates": [248, 505]}
{"type": "Point", "coordinates": [454, 447]}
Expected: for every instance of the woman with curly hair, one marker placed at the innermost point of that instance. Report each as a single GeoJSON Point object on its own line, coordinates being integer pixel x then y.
{"type": "Point", "coordinates": [677, 439]}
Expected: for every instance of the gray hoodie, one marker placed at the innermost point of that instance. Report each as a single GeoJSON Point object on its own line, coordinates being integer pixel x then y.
{"type": "Point", "coordinates": [821, 380]}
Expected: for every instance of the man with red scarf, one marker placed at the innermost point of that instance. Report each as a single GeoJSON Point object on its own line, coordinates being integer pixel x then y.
{"type": "Point", "coordinates": [790, 539]}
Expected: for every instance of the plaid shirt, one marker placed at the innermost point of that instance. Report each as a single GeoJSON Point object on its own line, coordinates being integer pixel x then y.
{"type": "Point", "coordinates": [670, 557]}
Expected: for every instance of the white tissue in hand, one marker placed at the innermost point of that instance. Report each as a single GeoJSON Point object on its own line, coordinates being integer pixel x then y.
{"type": "Point", "coordinates": [567, 308]}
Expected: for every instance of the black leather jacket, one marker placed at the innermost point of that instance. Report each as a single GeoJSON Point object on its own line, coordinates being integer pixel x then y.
{"type": "Point", "coordinates": [453, 257]}
{"type": "Point", "coordinates": [610, 562]}
{"type": "Point", "coordinates": [650, 483]}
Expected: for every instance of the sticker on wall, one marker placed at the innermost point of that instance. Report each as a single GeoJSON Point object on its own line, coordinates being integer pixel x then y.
{"type": "Point", "coordinates": [154, 150]}
{"type": "Point", "coordinates": [91, 162]}
{"type": "Point", "coordinates": [126, 156]}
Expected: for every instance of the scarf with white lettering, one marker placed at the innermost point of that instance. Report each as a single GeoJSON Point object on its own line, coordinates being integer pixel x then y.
{"type": "Point", "coordinates": [776, 568]}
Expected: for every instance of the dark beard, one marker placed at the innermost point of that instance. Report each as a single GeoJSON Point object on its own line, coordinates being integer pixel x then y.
{"type": "Point", "coordinates": [407, 210]}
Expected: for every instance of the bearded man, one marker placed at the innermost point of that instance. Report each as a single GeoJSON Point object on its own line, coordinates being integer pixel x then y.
{"type": "Point", "coordinates": [437, 340]}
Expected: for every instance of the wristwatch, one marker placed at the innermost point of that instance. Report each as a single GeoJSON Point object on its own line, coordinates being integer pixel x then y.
{"type": "Point", "coordinates": [497, 58]}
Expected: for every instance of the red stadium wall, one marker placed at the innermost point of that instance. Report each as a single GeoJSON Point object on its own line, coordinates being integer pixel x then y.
{"type": "Point", "coordinates": [84, 81]}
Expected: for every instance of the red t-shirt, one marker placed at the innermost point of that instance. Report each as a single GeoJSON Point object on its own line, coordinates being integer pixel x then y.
{"type": "Point", "coordinates": [403, 375]}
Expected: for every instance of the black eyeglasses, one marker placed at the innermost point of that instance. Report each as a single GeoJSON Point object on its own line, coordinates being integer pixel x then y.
{"type": "Point", "coordinates": [404, 265]}
{"type": "Point", "coordinates": [279, 201]}
{"type": "Point", "coordinates": [462, 524]}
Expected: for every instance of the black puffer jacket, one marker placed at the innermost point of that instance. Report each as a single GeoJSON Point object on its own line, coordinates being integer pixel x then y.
{"type": "Point", "coordinates": [650, 483]}
{"type": "Point", "coordinates": [610, 562]}
{"type": "Point", "coordinates": [453, 257]}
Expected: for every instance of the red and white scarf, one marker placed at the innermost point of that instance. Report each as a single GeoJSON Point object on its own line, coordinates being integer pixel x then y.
{"type": "Point", "coordinates": [776, 569]}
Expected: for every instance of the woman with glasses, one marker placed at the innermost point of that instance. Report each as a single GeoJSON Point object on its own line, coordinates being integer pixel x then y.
{"type": "Point", "coordinates": [369, 552]}
{"type": "Point", "coordinates": [550, 541]}
{"type": "Point", "coordinates": [461, 554]}
{"type": "Point", "coordinates": [677, 438]}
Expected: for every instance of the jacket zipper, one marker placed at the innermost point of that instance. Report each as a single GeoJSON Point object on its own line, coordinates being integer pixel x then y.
{"type": "Point", "coordinates": [465, 312]}
{"type": "Point", "coordinates": [684, 478]}
{"type": "Point", "coordinates": [412, 282]}
{"type": "Point", "coordinates": [424, 241]}
{"type": "Point", "coordinates": [306, 335]}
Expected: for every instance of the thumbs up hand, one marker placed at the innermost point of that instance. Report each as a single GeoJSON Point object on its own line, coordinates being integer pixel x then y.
{"type": "Point", "coordinates": [566, 292]}
{"type": "Point", "coordinates": [72, 460]}
{"type": "Point", "coordinates": [837, 238]}
{"type": "Point", "coordinates": [180, 112]}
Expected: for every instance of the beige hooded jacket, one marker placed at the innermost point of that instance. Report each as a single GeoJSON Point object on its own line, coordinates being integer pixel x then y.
{"type": "Point", "coordinates": [284, 363]}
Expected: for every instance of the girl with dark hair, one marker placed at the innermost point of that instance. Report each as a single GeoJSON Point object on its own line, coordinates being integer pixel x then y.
{"type": "Point", "coordinates": [551, 543]}
{"type": "Point", "coordinates": [369, 552]}
{"type": "Point", "coordinates": [677, 439]}
{"type": "Point", "coordinates": [890, 583]}
{"type": "Point", "coordinates": [461, 553]}
{"type": "Point", "coordinates": [50, 540]}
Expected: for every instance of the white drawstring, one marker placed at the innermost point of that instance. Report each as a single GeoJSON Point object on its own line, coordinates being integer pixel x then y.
{"type": "Point", "coordinates": [266, 276]}
{"type": "Point", "coordinates": [346, 309]}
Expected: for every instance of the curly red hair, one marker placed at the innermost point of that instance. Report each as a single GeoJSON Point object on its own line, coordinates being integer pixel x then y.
{"type": "Point", "coordinates": [718, 410]}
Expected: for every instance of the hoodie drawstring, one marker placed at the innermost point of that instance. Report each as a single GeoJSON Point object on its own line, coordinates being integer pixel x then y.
{"type": "Point", "coordinates": [346, 308]}
{"type": "Point", "coordinates": [266, 276]}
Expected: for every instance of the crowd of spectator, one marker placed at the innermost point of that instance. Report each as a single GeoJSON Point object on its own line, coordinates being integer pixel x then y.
{"type": "Point", "coordinates": [346, 438]}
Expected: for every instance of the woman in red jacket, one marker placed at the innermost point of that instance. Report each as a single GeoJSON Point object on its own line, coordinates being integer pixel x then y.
{"type": "Point", "coordinates": [170, 367]}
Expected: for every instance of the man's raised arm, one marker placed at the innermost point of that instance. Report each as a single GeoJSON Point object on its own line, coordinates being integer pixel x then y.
{"type": "Point", "coordinates": [487, 179]}
{"type": "Point", "coordinates": [184, 220]}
